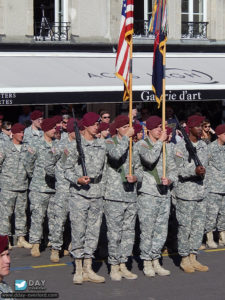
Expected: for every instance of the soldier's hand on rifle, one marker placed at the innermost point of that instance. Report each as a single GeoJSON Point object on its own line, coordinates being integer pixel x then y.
{"type": "Point", "coordinates": [163, 136]}
{"type": "Point", "coordinates": [130, 132]}
{"type": "Point", "coordinates": [84, 180]}
{"type": "Point", "coordinates": [131, 178]}
{"type": "Point", "coordinates": [165, 181]}
{"type": "Point", "coordinates": [200, 170]}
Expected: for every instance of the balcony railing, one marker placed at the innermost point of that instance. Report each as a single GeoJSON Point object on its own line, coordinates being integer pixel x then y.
{"type": "Point", "coordinates": [194, 30]}
{"type": "Point", "coordinates": [45, 31]}
{"type": "Point", "coordinates": [141, 29]}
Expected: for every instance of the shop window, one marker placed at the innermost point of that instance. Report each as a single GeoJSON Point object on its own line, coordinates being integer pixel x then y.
{"type": "Point", "coordinates": [194, 19]}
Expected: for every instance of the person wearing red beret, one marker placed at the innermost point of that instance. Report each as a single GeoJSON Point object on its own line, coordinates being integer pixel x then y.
{"type": "Point", "coordinates": [120, 200]}
{"type": "Point", "coordinates": [191, 193]}
{"type": "Point", "coordinates": [4, 265]}
{"type": "Point", "coordinates": [34, 130]}
{"type": "Point", "coordinates": [86, 203]}
{"type": "Point", "coordinates": [138, 132]}
{"type": "Point", "coordinates": [14, 186]}
{"type": "Point", "coordinates": [154, 195]}
{"type": "Point", "coordinates": [103, 130]}
{"type": "Point", "coordinates": [55, 168]}
{"type": "Point", "coordinates": [42, 186]}
{"type": "Point", "coordinates": [215, 217]}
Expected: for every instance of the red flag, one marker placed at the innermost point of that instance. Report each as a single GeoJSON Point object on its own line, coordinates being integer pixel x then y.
{"type": "Point", "coordinates": [123, 51]}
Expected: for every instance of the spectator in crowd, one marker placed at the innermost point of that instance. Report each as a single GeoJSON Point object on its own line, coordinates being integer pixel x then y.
{"type": "Point", "coordinates": [65, 119]}
{"type": "Point", "coordinates": [105, 116]}
{"type": "Point", "coordinates": [25, 116]}
{"type": "Point", "coordinates": [1, 120]}
{"type": "Point", "coordinates": [6, 134]}
{"type": "Point", "coordinates": [207, 132]}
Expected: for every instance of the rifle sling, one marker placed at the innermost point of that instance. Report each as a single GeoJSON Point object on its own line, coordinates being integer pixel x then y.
{"type": "Point", "coordinates": [121, 168]}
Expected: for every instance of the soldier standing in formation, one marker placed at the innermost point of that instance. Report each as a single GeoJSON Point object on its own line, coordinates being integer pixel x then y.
{"type": "Point", "coordinates": [120, 205]}
{"type": "Point", "coordinates": [34, 130]}
{"type": "Point", "coordinates": [191, 197]}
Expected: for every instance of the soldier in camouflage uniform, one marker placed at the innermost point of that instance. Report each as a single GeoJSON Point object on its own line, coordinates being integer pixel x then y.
{"type": "Point", "coordinates": [120, 205]}
{"type": "Point", "coordinates": [34, 131]}
{"type": "Point", "coordinates": [154, 195]}
{"type": "Point", "coordinates": [14, 185]}
{"type": "Point", "coordinates": [4, 265]}
{"type": "Point", "coordinates": [86, 203]}
{"type": "Point", "coordinates": [215, 217]}
{"type": "Point", "coordinates": [190, 193]}
{"type": "Point", "coordinates": [55, 167]}
{"type": "Point", "coordinates": [42, 186]}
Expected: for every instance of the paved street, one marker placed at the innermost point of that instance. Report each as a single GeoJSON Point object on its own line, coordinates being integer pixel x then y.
{"type": "Point", "coordinates": [58, 278]}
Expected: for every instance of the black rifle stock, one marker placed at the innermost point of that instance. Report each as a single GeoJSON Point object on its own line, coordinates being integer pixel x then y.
{"type": "Point", "coordinates": [191, 149]}
{"type": "Point", "coordinates": [79, 146]}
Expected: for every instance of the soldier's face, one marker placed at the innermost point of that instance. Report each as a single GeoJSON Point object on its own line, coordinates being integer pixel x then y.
{"type": "Point", "coordinates": [37, 123]}
{"type": "Point", "coordinates": [93, 130]}
{"type": "Point", "coordinates": [123, 130]}
{"type": "Point", "coordinates": [18, 136]}
{"type": "Point", "coordinates": [156, 132]}
{"type": "Point", "coordinates": [4, 263]}
{"type": "Point", "coordinates": [50, 133]}
{"type": "Point", "coordinates": [221, 138]}
{"type": "Point", "coordinates": [196, 131]}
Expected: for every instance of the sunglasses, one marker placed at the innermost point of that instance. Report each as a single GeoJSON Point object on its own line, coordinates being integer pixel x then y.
{"type": "Point", "coordinates": [207, 126]}
{"type": "Point", "coordinates": [8, 129]}
{"type": "Point", "coordinates": [107, 117]}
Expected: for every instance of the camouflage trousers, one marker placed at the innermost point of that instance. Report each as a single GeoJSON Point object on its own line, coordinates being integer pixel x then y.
{"type": "Point", "coordinates": [215, 212]}
{"type": "Point", "coordinates": [86, 219]}
{"type": "Point", "coordinates": [40, 204]}
{"type": "Point", "coordinates": [191, 217]}
{"type": "Point", "coordinates": [153, 214]}
{"type": "Point", "coordinates": [120, 221]}
{"type": "Point", "coordinates": [61, 210]}
{"type": "Point", "coordinates": [11, 201]}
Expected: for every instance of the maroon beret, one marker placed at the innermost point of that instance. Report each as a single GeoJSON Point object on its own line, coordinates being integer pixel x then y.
{"type": "Point", "coordinates": [112, 129]}
{"type": "Point", "coordinates": [4, 243]}
{"type": "Point", "coordinates": [220, 129]}
{"type": "Point", "coordinates": [153, 122]}
{"type": "Point", "coordinates": [103, 126]}
{"type": "Point", "coordinates": [90, 118]}
{"type": "Point", "coordinates": [58, 129]}
{"type": "Point", "coordinates": [70, 125]}
{"type": "Point", "coordinates": [137, 129]}
{"type": "Point", "coordinates": [169, 130]}
{"type": "Point", "coordinates": [1, 117]}
{"type": "Point", "coordinates": [36, 114]}
{"type": "Point", "coordinates": [48, 124]}
{"type": "Point", "coordinates": [121, 120]}
{"type": "Point", "coordinates": [58, 119]}
{"type": "Point", "coordinates": [17, 128]}
{"type": "Point", "coordinates": [195, 120]}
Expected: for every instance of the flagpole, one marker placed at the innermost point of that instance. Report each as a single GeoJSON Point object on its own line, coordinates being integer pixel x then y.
{"type": "Point", "coordinates": [164, 108]}
{"type": "Point", "coordinates": [130, 104]}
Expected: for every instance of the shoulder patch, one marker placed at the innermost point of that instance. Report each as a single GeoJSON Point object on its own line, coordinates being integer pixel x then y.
{"type": "Point", "coordinates": [66, 151]}
{"type": "Point", "coordinates": [29, 149]}
{"type": "Point", "coordinates": [179, 154]}
{"type": "Point", "coordinates": [109, 142]}
{"type": "Point", "coordinates": [145, 146]}
{"type": "Point", "coordinates": [53, 150]}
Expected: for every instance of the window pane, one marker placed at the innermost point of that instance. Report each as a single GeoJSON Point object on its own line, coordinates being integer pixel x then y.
{"type": "Point", "coordinates": [184, 6]}
{"type": "Point", "coordinates": [184, 18]}
{"type": "Point", "coordinates": [198, 6]}
{"type": "Point", "coordinates": [198, 18]}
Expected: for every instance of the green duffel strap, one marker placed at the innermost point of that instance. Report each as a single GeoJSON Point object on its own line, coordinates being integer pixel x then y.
{"type": "Point", "coordinates": [121, 168]}
{"type": "Point", "coordinates": [153, 172]}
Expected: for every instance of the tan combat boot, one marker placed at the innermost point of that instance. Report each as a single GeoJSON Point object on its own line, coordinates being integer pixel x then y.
{"type": "Point", "coordinates": [210, 242]}
{"type": "Point", "coordinates": [159, 269]}
{"type": "Point", "coordinates": [35, 252]}
{"type": "Point", "coordinates": [10, 246]}
{"type": "Point", "coordinates": [54, 256]}
{"type": "Point", "coordinates": [222, 238]}
{"type": "Point", "coordinates": [196, 265]}
{"type": "Point", "coordinates": [126, 273]}
{"type": "Point", "coordinates": [22, 243]}
{"type": "Point", "coordinates": [148, 269]}
{"type": "Point", "coordinates": [115, 273]}
{"type": "Point", "coordinates": [89, 274]}
{"type": "Point", "coordinates": [186, 265]}
{"type": "Point", "coordinates": [67, 252]}
{"type": "Point", "coordinates": [202, 247]}
{"type": "Point", "coordinates": [78, 276]}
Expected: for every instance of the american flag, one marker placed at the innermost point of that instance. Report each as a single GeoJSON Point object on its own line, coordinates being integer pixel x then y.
{"type": "Point", "coordinates": [123, 51]}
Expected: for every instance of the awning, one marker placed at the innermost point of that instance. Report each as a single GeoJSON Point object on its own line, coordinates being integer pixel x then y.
{"type": "Point", "coordinates": [48, 78]}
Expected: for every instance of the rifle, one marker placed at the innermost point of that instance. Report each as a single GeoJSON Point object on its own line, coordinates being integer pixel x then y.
{"type": "Point", "coordinates": [79, 146]}
{"type": "Point", "coordinates": [191, 149]}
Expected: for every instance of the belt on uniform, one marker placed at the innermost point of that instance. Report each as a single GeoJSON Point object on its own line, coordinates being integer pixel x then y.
{"type": "Point", "coordinates": [96, 180]}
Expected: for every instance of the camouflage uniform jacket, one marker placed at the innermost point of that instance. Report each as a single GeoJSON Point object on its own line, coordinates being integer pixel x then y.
{"type": "Point", "coordinates": [150, 159]}
{"type": "Point", "coordinates": [13, 173]}
{"type": "Point", "coordinates": [35, 162]}
{"type": "Point", "coordinates": [29, 134]}
{"type": "Point", "coordinates": [190, 186]}
{"type": "Point", "coordinates": [117, 156]}
{"type": "Point", "coordinates": [95, 161]}
{"type": "Point", "coordinates": [5, 288]}
{"type": "Point", "coordinates": [216, 170]}
{"type": "Point", "coordinates": [55, 164]}
{"type": "Point", "coordinates": [4, 137]}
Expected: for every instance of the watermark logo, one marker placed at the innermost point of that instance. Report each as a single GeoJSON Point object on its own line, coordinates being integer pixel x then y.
{"type": "Point", "coordinates": [20, 285]}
